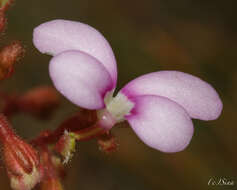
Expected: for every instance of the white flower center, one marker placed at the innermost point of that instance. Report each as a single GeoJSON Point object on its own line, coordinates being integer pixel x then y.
{"type": "Point", "coordinates": [117, 107]}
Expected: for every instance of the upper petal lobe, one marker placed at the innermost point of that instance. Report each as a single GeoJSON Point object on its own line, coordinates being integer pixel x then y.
{"type": "Point", "coordinates": [199, 98]}
{"type": "Point", "coordinates": [56, 36]}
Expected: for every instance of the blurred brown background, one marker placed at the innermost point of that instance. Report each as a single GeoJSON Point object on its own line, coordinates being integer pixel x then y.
{"type": "Point", "coordinates": [197, 37]}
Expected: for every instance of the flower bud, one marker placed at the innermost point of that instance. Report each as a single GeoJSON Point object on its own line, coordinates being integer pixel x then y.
{"type": "Point", "coordinates": [21, 159]}
{"type": "Point", "coordinates": [66, 146]}
{"type": "Point", "coordinates": [8, 57]}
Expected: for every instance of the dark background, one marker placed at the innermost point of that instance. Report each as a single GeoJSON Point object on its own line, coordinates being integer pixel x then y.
{"type": "Point", "coordinates": [197, 37]}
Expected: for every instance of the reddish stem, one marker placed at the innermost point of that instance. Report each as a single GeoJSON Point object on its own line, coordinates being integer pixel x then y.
{"type": "Point", "coordinates": [5, 130]}
{"type": "Point", "coordinates": [82, 122]}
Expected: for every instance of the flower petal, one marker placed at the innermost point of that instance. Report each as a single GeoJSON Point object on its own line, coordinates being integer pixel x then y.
{"type": "Point", "coordinates": [161, 123]}
{"type": "Point", "coordinates": [81, 78]}
{"type": "Point", "coordinates": [56, 36]}
{"type": "Point", "coordinates": [198, 97]}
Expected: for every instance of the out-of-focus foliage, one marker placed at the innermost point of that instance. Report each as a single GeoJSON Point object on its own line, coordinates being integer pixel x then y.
{"type": "Point", "coordinates": [4, 2]}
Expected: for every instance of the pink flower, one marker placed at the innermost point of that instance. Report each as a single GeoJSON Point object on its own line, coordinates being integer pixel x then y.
{"type": "Point", "coordinates": [158, 106]}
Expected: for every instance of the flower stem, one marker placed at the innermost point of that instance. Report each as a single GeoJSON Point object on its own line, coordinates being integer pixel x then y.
{"type": "Point", "coordinates": [88, 133]}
